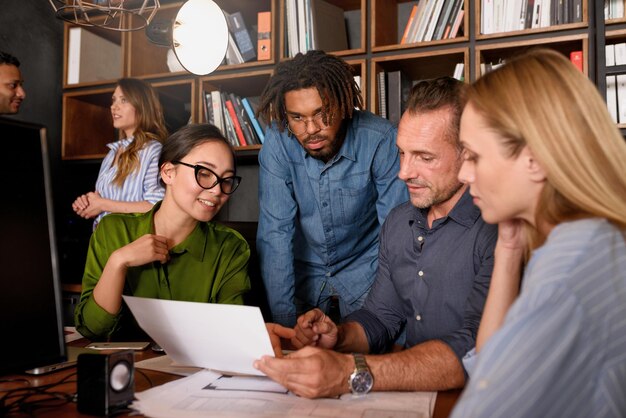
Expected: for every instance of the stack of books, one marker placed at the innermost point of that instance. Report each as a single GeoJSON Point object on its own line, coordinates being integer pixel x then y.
{"type": "Point", "coordinates": [314, 24]}
{"type": "Point", "coordinates": [512, 15]}
{"type": "Point", "coordinates": [433, 20]}
{"type": "Point", "coordinates": [235, 117]}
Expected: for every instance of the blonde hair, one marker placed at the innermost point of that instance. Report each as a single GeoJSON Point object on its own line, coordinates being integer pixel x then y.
{"type": "Point", "coordinates": [150, 124]}
{"type": "Point", "coordinates": [542, 101]}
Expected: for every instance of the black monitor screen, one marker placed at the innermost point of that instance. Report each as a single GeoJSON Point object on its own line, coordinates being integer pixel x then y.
{"type": "Point", "coordinates": [30, 310]}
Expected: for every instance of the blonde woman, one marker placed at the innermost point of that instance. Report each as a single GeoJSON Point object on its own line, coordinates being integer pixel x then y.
{"type": "Point", "coordinates": [128, 179]}
{"type": "Point", "coordinates": [546, 163]}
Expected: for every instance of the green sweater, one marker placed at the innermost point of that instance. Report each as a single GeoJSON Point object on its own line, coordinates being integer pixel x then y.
{"type": "Point", "coordinates": [210, 265]}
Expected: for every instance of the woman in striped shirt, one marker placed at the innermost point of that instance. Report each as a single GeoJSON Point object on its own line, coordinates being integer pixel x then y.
{"type": "Point", "coordinates": [546, 163]}
{"type": "Point", "coordinates": [128, 181]}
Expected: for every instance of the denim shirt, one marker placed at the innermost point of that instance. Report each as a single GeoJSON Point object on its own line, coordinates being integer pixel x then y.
{"type": "Point", "coordinates": [319, 222]}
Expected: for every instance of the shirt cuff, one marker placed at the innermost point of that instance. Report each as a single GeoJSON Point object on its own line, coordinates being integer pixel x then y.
{"type": "Point", "coordinates": [97, 320]}
{"type": "Point", "coordinates": [469, 361]}
{"type": "Point", "coordinates": [287, 319]}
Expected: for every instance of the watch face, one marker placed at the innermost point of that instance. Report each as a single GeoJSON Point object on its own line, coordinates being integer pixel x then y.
{"type": "Point", "coordinates": [362, 382]}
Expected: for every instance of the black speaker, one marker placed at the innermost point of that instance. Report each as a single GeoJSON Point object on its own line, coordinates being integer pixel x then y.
{"type": "Point", "coordinates": [106, 382]}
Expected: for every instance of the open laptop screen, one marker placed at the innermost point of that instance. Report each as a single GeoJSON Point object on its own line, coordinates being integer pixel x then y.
{"type": "Point", "coordinates": [30, 308]}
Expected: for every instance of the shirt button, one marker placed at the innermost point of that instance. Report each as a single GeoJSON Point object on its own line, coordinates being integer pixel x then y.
{"type": "Point", "coordinates": [418, 317]}
{"type": "Point", "coordinates": [324, 204]}
{"type": "Point", "coordinates": [420, 238]}
{"type": "Point", "coordinates": [420, 273]}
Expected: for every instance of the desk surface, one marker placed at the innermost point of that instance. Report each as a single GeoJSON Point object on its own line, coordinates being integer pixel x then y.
{"type": "Point", "coordinates": [443, 405]}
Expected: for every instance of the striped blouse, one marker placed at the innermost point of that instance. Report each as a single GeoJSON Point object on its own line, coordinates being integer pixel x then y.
{"type": "Point", "coordinates": [141, 184]}
{"type": "Point", "coordinates": [561, 351]}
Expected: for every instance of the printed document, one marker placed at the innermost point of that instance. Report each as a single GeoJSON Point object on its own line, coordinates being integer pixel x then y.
{"type": "Point", "coordinates": [225, 338]}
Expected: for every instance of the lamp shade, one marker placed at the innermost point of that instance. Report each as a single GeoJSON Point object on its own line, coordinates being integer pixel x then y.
{"type": "Point", "coordinates": [200, 36]}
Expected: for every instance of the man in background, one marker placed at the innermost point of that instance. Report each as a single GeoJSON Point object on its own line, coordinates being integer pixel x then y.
{"type": "Point", "coordinates": [327, 180]}
{"type": "Point", "coordinates": [11, 85]}
{"type": "Point", "coordinates": [434, 270]}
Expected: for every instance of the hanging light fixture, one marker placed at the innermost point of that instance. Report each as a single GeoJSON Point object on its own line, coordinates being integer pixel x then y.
{"type": "Point", "coordinates": [198, 35]}
{"type": "Point", "coordinates": [108, 14]}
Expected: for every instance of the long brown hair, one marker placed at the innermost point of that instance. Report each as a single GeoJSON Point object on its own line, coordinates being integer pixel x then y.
{"type": "Point", "coordinates": [150, 124]}
{"type": "Point", "coordinates": [542, 101]}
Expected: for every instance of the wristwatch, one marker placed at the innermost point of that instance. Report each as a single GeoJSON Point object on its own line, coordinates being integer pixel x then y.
{"type": "Point", "coordinates": [361, 380]}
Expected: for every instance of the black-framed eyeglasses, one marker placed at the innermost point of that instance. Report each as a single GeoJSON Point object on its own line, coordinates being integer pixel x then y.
{"type": "Point", "coordinates": [207, 179]}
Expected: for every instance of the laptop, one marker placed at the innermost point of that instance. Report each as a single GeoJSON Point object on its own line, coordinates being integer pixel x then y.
{"type": "Point", "coordinates": [30, 296]}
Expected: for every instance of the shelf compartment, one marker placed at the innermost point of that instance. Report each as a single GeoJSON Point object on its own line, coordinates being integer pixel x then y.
{"type": "Point", "coordinates": [417, 66]}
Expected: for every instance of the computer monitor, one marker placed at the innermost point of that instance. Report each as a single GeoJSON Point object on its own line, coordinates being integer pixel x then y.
{"type": "Point", "coordinates": [30, 299]}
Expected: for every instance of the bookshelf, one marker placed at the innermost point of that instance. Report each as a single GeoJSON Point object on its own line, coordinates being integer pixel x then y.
{"type": "Point", "coordinates": [374, 29]}
{"type": "Point", "coordinates": [87, 125]}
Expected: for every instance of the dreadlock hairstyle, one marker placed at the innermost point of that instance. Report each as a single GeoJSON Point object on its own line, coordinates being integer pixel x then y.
{"type": "Point", "coordinates": [150, 124]}
{"type": "Point", "coordinates": [331, 76]}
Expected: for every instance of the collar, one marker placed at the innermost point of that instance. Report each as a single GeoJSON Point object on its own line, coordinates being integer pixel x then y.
{"type": "Point", "coordinates": [122, 143]}
{"type": "Point", "coordinates": [464, 212]}
{"type": "Point", "coordinates": [194, 244]}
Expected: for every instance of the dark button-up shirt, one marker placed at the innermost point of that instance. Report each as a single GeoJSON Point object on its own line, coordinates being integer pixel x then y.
{"type": "Point", "coordinates": [433, 281]}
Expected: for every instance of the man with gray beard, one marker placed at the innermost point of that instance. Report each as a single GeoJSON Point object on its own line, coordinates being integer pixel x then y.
{"type": "Point", "coordinates": [434, 267]}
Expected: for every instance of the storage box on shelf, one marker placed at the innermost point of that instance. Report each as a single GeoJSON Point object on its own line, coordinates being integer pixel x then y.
{"type": "Point", "coordinates": [92, 55]}
{"type": "Point", "coordinates": [434, 26]}
{"type": "Point", "coordinates": [323, 25]}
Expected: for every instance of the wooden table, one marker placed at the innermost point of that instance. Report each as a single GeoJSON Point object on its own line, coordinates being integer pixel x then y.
{"type": "Point", "coordinates": [443, 405]}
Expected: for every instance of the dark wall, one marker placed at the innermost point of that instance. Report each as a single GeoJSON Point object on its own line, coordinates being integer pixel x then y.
{"type": "Point", "coordinates": [30, 31]}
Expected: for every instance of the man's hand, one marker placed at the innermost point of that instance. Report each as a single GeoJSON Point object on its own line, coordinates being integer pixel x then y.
{"type": "Point", "coordinates": [316, 329]}
{"type": "Point", "coordinates": [277, 334]}
{"type": "Point", "coordinates": [310, 372]}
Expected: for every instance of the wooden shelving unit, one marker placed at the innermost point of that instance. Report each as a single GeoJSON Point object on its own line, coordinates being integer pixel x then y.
{"type": "Point", "coordinates": [375, 28]}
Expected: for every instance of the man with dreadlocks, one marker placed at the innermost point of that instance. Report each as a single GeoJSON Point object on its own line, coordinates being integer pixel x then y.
{"type": "Point", "coordinates": [327, 180]}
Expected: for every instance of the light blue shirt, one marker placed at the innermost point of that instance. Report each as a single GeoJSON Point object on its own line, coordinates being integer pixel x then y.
{"type": "Point", "coordinates": [561, 351]}
{"type": "Point", "coordinates": [319, 222]}
{"type": "Point", "coordinates": [140, 185]}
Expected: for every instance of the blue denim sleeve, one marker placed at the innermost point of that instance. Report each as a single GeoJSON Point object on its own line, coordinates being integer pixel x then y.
{"type": "Point", "coordinates": [276, 229]}
{"type": "Point", "coordinates": [391, 190]}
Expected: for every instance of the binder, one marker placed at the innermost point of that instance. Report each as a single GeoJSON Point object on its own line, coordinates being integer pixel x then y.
{"type": "Point", "coordinates": [264, 43]}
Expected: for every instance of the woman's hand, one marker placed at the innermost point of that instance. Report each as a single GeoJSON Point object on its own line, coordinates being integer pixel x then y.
{"type": "Point", "coordinates": [143, 250]}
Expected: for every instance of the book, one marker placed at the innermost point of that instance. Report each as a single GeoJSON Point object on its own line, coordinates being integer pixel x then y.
{"type": "Point", "coordinates": [398, 90]}
{"type": "Point", "coordinates": [292, 27]}
{"type": "Point", "coordinates": [255, 123]}
{"type": "Point", "coordinates": [452, 19]}
{"type": "Point", "coordinates": [207, 108]}
{"type": "Point", "coordinates": [457, 23]}
{"type": "Point", "coordinates": [486, 17]}
{"type": "Point", "coordinates": [576, 57]}
{"type": "Point", "coordinates": [233, 55]}
{"type": "Point", "coordinates": [233, 118]}
{"type": "Point", "coordinates": [237, 27]}
{"type": "Point", "coordinates": [409, 24]}
{"type": "Point", "coordinates": [244, 122]}
{"type": "Point", "coordinates": [382, 95]}
{"type": "Point", "coordinates": [92, 57]}
{"type": "Point", "coordinates": [611, 97]}
{"type": "Point", "coordinates": [609, 54]}
{"type": "Point", "coordinates": [443, 19]}
{"type": "Point", "coordinates": [264, 36]}
{"type": "Point", "coordinates": [432, 22]}
{"type": "Point", "coordinates": [620, 53]}
{"type": "Point", "coordinates": [329, 26]}
{"type": "Point", "coordinates": [621, 98]}
{"type": "Point", "coordinates": [216, 104]}
{"type": "Point", "coordinates": [302, 27]}
{"type": "Point", "coordinates": [459, 69]}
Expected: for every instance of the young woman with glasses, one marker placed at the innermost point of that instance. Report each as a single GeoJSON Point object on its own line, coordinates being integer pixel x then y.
{"type": "Point", "coordinates": [173, 251]}
{"type": "Point", "coordinates": [128, 181]}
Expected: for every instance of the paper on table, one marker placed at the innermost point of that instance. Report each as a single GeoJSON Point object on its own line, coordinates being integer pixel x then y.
{"type": "Point", "coordinates": [227, 338]}
{"type": "Point", "coordinates": [166, 364]}
{"type": "Point", "coordinates": [190, 398]}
